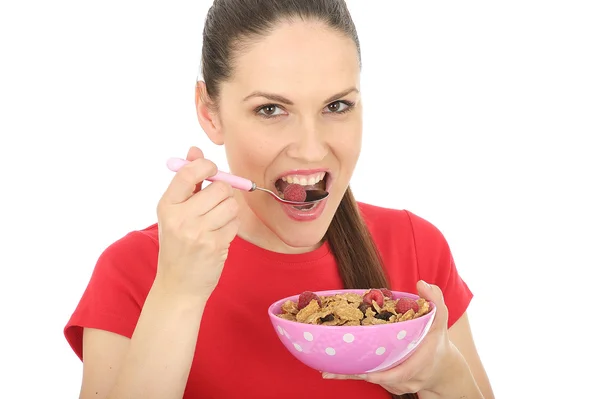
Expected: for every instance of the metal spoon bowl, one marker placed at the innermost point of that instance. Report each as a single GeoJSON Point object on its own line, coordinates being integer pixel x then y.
{"type": "Point", "coordinates": [312, 196]}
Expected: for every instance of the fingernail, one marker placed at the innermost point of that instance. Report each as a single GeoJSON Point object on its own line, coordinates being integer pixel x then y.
{"type": "Point", "coordinates": [327, 375]}
{"type": "Point", "coordinates": [426, 283]}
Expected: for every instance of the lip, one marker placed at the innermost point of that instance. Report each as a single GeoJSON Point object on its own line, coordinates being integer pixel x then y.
{"type": "Point", "coordinates": [305, 216]}
{"type": "Point", "coordinates": [302, 172]}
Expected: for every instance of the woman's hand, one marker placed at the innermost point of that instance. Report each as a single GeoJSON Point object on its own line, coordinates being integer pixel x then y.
{"type": "Point", "coordinates": [195, 228]}
{"type": "Point", "coordinates": [435, 369]}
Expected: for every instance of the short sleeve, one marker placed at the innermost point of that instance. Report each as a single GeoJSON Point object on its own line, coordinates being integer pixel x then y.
{"type": "Point", "coordinates": [117, 290]}
{"type": "Point", "coordinates": [436, 266]}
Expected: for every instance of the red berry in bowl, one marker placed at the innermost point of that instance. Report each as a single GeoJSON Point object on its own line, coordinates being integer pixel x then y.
{"type": "Point", "coordinates": [305, 299]}
{"type": "Point", "coordinates": [405, 304]}
{"type": "Point", "coordinates": [374, 295]}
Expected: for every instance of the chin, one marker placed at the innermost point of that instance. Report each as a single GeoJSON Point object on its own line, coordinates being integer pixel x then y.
{"type": "Point", "coordinates": [302, 237]}
{"type": "Point", "coordinates": [300, 229]}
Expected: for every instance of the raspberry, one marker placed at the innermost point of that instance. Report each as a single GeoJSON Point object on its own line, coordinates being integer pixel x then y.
{"type": "Point", "coordinates": [386, 293]}
{"type": "Point", "coordinates": [305, 298]}
{"type": "Point", "coordinates": [405, 304]}
{"type": "Point", "coordinates": [294, 192]}
{"type": "Point", "coordinates": [373, 296]}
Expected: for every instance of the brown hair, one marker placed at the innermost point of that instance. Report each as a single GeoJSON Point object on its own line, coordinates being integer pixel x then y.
{"type": "Point", "coordinates": [230, 26]}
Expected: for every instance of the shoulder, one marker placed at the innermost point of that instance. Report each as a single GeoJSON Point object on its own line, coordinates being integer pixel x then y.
{"type": "Point", "coordinates": [129, 260]}
{"type": "Point", "coordinates": [398, 224]}
{"type": "Point", "coordinates": [408, 239]}
{"type": "Point", "coordinates": [143, 242]}
{"type": "Point", "coordinates": [137, 244]}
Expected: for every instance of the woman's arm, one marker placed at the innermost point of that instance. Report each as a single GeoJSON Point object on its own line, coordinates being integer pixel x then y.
{"type": "Point", "coordinates": [461, 336]}
{"type": "Point", "coordinates": [156, 362]}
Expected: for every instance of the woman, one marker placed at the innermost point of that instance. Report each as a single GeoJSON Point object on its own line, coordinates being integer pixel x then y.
{"type": "Point", "coordinates": [179, 309]}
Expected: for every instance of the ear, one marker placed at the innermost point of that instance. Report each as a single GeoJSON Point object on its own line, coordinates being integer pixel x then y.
{"type": "Point", "coordinates": [207, 115]}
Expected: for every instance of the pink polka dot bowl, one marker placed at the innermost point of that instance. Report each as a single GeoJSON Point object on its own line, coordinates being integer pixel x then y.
{"type": "Point", "coordinates": [351, 349]}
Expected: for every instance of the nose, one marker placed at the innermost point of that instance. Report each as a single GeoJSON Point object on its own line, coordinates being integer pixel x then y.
{"type": "Point", "coordinates": [309, 145]}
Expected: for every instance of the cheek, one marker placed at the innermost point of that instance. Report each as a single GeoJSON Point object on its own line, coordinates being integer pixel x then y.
{"type": "Point", "coordinates": [347, 146]}
{"type": "Point", "coordinates": [248, 151]}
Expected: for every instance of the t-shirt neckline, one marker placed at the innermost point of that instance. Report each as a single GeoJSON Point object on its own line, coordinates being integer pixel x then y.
{"type": "Point", "coordinates": [322, 251]}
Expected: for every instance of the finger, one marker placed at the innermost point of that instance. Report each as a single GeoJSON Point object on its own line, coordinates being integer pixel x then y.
{"type": "Point", "coordinates": [434, 294]}
{"type": "Point", "coordinates": [228, 232]}
{"type": "Point", "coordinates": [185, 181]}
{"type": "Point", "coordinates": [220, 215]}
{"type": "Point", "coordinates": [410, 368]}
{"type": "Point", "coordinates": [207, 199]}
{"type": "Point", "coordinates": [194, 153]}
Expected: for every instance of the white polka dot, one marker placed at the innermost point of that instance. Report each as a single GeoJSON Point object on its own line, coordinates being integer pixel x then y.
{"type": "Point", "coordinates": [348, 338]}
{"type": "Point", "coordinates": [308, 336]}
{"type": "Point", "coordinates": [412, 345]}
{"type": "Point", "coordinates": [280, 330]}
{"type": "Point", "coordinates": [401, 334]}
{"type": "Point", "coordinates": [298, 347]}
{"type": "Point", "coordinates": [380, 350]}
{"type": "Point", "coordinates": [286, 333]}
{"type": "Point", "coordinates": [330, 351]}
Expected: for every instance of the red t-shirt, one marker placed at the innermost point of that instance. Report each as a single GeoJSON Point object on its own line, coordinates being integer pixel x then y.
{"type": "Point", "coordinates": [238, 353]}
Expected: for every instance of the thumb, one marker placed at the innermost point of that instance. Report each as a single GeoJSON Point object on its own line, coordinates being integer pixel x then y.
{"type": "Point", "coordinates": [434, 294]}
{"type": "Point", "coordinates": [194, 153]}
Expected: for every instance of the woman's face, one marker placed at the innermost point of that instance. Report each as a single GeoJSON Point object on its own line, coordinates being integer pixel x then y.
{"type": "Point", "coordinates": [291, 112]}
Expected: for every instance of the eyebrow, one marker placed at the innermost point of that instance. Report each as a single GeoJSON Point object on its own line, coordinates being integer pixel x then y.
{"type": "Point", "coordinates": [280, 99]}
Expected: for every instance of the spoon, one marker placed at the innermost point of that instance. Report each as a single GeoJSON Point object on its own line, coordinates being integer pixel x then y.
{"type": "Point", "coordinates": [312, 196]}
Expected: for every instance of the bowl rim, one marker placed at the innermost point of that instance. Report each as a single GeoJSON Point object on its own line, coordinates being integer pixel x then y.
{"type": "Point", "coordinates": [284, 322]}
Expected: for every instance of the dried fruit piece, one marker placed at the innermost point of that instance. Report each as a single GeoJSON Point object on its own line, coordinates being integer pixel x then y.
{"type": "Point", "coordinates": [294, 192]}
{"type": "Point", "coordinates": [363, 307]}
{"type": "Point", "coordinates": [385, 315]}
{"type": "Point", "coordinates": [329, 317]}
{"type": "Point", "coordinates": [374, 295]}
{"type": "Point", "coordinates": [404, 304]}
{"type": "Point", "coordinates": [307, 296]}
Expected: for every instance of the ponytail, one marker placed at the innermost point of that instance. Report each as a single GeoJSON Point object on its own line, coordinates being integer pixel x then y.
{"type": "Point", "coordinates": [359, 262]}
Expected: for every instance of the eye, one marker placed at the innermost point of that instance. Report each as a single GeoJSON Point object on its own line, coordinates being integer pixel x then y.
{"type": "Point", "coordinates": [269, 111]}
{"type": "Point", "coordinates": [339, 107]}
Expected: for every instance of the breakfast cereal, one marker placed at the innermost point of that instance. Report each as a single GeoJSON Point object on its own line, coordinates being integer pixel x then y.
{"type": "Point", "coordinates": [375, 306]}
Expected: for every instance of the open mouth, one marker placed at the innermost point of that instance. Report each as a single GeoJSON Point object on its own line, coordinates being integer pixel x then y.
{"type": "Point", "coordinates": [288, 187]}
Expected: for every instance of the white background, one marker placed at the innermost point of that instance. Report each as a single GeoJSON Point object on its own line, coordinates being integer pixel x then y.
{"type": "Point", "coordinates": [479, 116]}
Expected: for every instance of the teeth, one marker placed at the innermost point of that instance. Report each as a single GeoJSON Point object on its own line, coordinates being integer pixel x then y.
{"type": "Point", "coordinates": [304, 180]}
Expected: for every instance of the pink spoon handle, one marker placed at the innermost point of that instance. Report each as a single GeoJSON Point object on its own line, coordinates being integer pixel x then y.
{"type": "Point", "coordinates": [174, 164]}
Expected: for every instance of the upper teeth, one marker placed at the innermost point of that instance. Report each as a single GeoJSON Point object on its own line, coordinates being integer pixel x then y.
{"type": "Point", "coordinates": [304, 180]}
